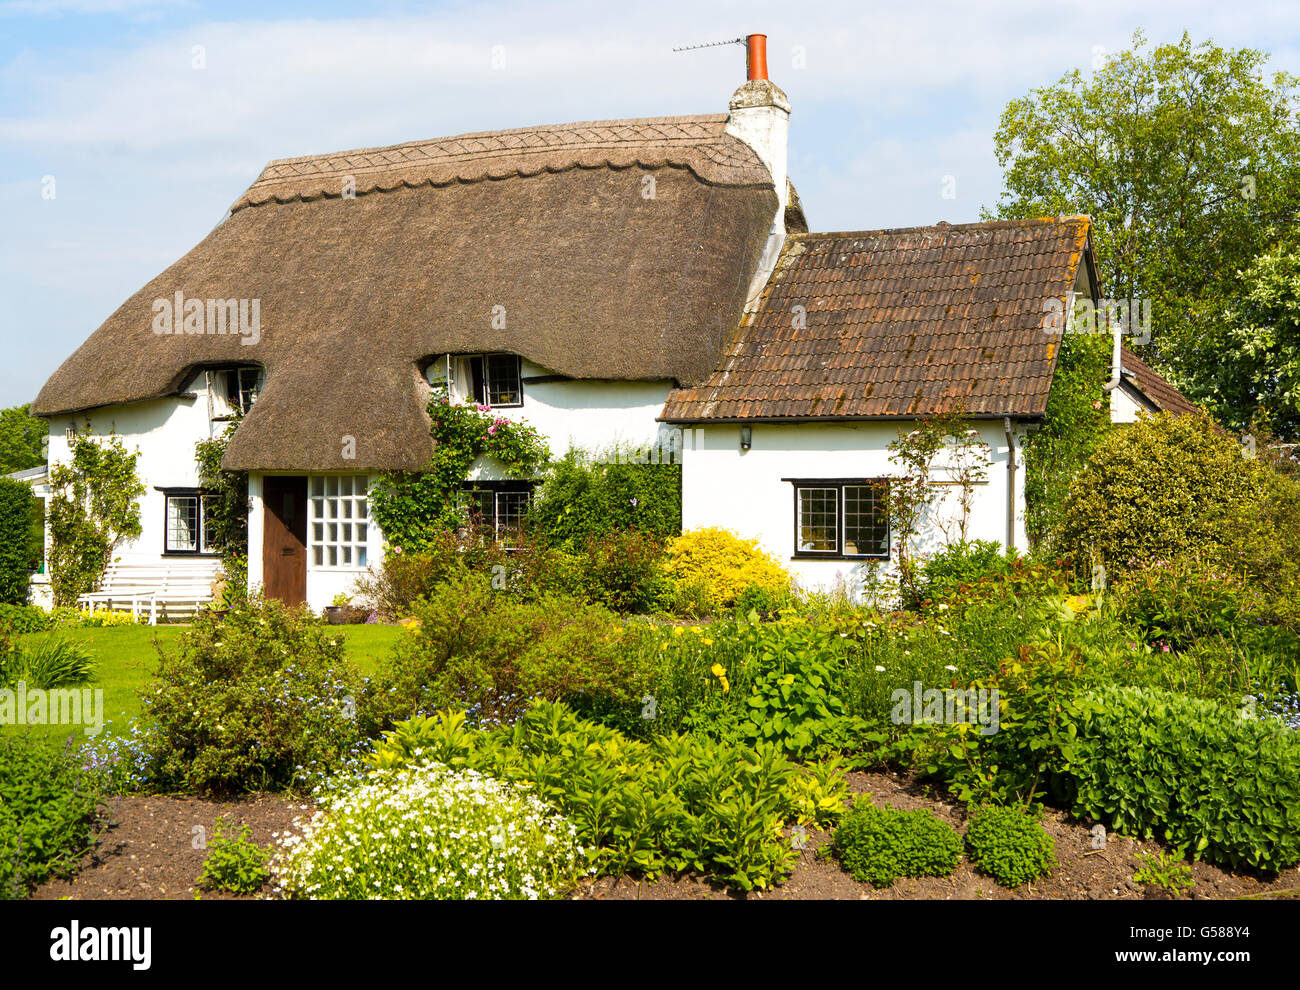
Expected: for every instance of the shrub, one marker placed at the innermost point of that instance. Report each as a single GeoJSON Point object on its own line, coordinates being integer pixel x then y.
{"type": "Point", "coordinates": [49, 662]}
{"type": "Point", "coordinates": [1010, 845]}
{"type": "Point", "coordinates": [477, 648]}
{"type": "Point", "coordinates": [25, 618]}
{"type": "Point", "coordinates": [676, 804]}
{"type": "Point", "coordinates": [624, 571]}
{"type": "Point", "coordinates": [1198, 775]}
{"type": "Point", "coordinates": [581, 500]}
{"type": "Point", "coordinates": [959, 564]}
{"type": "Point", "coordinates": [47, 808]}
{"type": "Point", "coordinates": [1157, 490]}
{"type": "Point", "coordinates": [18, 548]}
{"type": "Point", "coordinates": [426, 832]}
{"type": "Point", "coordinates": [234, 864]}
{"type": "Point", "coordinates": [726, 564]}
{"type": "Point", "coordinates": [1163, 870]}
{"type": "Point", "coordinates": [250, 702]}
{"type": "Point", "coordinates": [879, 845]}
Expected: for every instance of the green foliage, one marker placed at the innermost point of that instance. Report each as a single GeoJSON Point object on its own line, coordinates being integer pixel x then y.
{"type": "Point", "coordinates": [725, 565]}
{"type": "Point", "coordinates": [48, 662]}
{"type": "Point", "coordinates": [879, 845]}
{"type": "Point", "coordinates": [25, 618]}
{"type": "Point", "coordinates": [1164, 870]}
{"type": "Point", "coordinates": [625, 570]}
{"type": "Point", "coordinates": [250, 702]}
{"type": "Point", "coordinates": [19, 547]}
{"type": "Point", "coordinates": [1076, 420]}
{"type": "Point", "coordinates": [476, 647]}
{"type": "Point", "coordinates": [796, 700]}
{"type": "Point", "coordinates": [92, 508]}
{"type": "Point", "coordinates": [581, 499]}
{"type": "Point", "coordinates": [22, 439]}
{"type": "Point", "coordinates": [428, 832]}
{"type": "Point", "coordinates": [235, 865]}
{"type": "Point", "coordinates": [1200, 776]}
{"type": "Point", "coordinates": [1188, 162]}
{"type": "Point", "coordinates": [227, 520]}
{"type": "Point", "coordinates": [47, 808]}
{"type": "Point", "coordinates": [413, 507]}
{"type": "Point", "coordinates": [1156, 490]}
{"type": "Point", "coordinates": [675, 804]}
{"type": "Point", "coordinates": [1010, 845]}
{"type": "Point", "coordinates": [958, 564]}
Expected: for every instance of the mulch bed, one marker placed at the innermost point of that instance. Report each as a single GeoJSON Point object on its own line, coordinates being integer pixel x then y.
{"type": "Point", "coordinates": [146, 851]}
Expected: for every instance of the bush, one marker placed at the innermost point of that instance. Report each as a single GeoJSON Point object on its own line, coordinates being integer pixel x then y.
{"type": "Point", "coordinates": [879, 845]}
{"type": "Point", "coordinates": [249, 702]}
{"type": "Point", "coordinates": [1010, 845]}
{"type": "Point", "coordinates": [1198, 775]}
{"type": "Point", "coordinates": [23, 619]}
{"type": "Point", "coordinates": [426, 832]}
{"type": "Point", "coordinates": [47, 808]}
{"type": "Point", "coordinates": [234, 865]}
{"type": "Point", "coordinates": [581, 500]}
{"type": "Point", "coordinates": [958, 564]}
{"type": "Point", "coordinates": [1160, 489]}
{"type": "Point", "coordinates": [676, 804]}
{"type": "Point", "coordinates": [477, 648]}
{"type": "Point", "coordinates": [19, 550]}
{"type": "Point", "coordinates": [726, 564]}
{"type": "Point", "coordinates": [49, 662]}
{"type": "Point", "coordinates": [624, 570]}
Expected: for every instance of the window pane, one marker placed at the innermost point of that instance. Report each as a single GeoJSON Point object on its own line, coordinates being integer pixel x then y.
{"type": "Point", "coordinates": [866, 520]}
{"type": "Point", "coordinates": [208, 503]}
{"type": "Point", "coordinates": [503, 380]}
{"type": "Point", "coordinates": [818, 524]}
{"type": "Point", "coordinates": [182, 522]}
{"type": "Point", "coordinates": [510, 507]}
{"type": "Point", "coordinates": [318, 486]}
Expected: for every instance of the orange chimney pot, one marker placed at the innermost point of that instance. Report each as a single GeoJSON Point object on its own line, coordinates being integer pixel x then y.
{"type": "Point", "coordinates": [756, 56]}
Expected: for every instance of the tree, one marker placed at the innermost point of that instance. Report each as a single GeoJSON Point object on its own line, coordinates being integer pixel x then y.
{"type": "Point", "coordinates": [92, 509]}
{"type": "Point", "coordinates": [1188, 162]}
{"type": "Point", "coordinates": [22, 439]}
{"type": "Point", "coordinates": [19, 542]}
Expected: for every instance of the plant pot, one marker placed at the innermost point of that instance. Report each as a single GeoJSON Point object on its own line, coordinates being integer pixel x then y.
{"type": "Point", "coordinates": [336, 615]}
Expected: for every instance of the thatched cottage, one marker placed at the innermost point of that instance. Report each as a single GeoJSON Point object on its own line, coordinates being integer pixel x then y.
{"type": "Point", "coordinates": [630, 282]}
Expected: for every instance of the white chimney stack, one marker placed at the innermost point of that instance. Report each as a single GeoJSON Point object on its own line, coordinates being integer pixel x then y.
{"type": "Point", "coordinates": [760, 116]}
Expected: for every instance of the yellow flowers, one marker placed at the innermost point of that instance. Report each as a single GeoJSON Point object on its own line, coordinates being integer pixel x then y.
{"type": "Point", "coordinates": [411, 625]}
{"type": "Point", "coordinates": [720, 672]}
{"type": "Point", "coordinates": [677, 630]}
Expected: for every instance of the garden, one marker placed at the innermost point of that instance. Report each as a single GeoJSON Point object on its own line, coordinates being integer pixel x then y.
{"type": "Point", "coordinates": [615, 708]}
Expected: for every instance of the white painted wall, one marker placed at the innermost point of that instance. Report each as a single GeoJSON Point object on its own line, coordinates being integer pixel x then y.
{"type": "Point", "coordinates": [1126, 403]}
{"type": "Point", "coordinates": [743, 491]}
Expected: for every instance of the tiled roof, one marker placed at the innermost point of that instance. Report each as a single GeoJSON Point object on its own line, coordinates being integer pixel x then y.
{"type": "Point", "coordinates": [1159, 392]}
{"type": "Point", "coordinates": [899, 323]}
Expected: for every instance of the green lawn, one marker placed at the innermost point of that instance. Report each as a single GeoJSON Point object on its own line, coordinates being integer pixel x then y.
{"type": "Point", "coordinates": [126, 657]}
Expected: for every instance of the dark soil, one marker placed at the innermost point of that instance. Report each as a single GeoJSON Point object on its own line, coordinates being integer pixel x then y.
{"type": "Point", "coordinates": [146, 847]}
{"type": "Point", "coordinates": [146, 850]}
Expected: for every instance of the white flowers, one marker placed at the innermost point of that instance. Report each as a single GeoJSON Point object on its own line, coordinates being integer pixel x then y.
{"type": "Point", "coordinates": [952, 668]}
{"type": "Point", "coordinates": [880, 669]}
{"type": "Point", "coordinates": [427, 832]}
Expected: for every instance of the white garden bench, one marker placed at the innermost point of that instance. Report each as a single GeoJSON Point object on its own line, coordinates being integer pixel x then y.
{"type": "Point", "coordinates": [179, 589]}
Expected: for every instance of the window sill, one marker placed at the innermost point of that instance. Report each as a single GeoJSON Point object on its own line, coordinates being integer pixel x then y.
{"type": "Point", "coordinates": [840, 556]}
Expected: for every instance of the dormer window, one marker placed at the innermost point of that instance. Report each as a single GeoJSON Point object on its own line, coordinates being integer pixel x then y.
{"type": "Point", "coordinates": [233, 390]}
{"type": "Point", "coordinates": [488, 379]}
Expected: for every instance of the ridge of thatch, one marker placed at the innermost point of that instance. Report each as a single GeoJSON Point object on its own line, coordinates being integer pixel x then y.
{"type": "Point", "coordinates": [570, 265]}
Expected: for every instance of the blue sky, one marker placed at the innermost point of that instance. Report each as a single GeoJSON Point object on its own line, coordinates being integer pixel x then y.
{"type": "Point", "coordinates": [147, 151]}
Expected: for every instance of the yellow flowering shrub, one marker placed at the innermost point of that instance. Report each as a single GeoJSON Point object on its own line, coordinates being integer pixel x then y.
{"type": "Point", "coordinates": [725, 564]}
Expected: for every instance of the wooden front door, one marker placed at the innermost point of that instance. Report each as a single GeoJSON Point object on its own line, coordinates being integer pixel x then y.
{"type": "Point", "coordinates": [284, 539]}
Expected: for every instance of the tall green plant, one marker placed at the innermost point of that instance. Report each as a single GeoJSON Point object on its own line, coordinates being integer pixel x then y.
{"type": "Point", "coordinates": [19, 546]}
{"type": "Point", "coordinates": [92, 509]}
{"type": "Point", "coordinates": [227, 519]}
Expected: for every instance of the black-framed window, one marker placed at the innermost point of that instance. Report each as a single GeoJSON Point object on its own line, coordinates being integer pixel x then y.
{"type": "Point", "coordinates": [495, 379]}
{"type": "Point", "coordinates": [841, 517]}
{"type": "Point", "coordinates": [187, 521]}
{"type": "Point", "coordinates": [498, 507]}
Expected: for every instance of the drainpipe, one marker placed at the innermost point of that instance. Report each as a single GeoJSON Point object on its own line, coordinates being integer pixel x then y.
{"type": "Point", "coordinates": [1115, 360]}
{"type": "Point", "coordinates": [1011, 483]}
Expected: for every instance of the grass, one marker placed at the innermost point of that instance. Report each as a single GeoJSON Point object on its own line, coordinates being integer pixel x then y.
{"type": "Point", "coordinates": [126, 658]}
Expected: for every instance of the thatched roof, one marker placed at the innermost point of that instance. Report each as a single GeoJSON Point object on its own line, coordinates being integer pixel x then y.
{"type": "Point", "coordinates": [898, 324]}
{"type": "Point", "coordinates": [597, 279]}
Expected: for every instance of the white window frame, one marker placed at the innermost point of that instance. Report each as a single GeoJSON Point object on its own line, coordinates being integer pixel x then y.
{"type": "Point", "coordinates": [338, 522]}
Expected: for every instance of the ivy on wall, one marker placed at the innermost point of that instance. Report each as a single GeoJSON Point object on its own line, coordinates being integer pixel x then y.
{"type": "Point", "coordinates": [93, 507]}
{"type": "Point", "coordinates": [1076, 421]}
{"type": "Point", "coordinates": [227, 521]}
{"type": "Point", "coordinates": [412, 507]}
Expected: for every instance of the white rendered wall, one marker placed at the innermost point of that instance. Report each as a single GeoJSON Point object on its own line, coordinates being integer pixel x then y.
{"type": "Point", "coordinates": [743, 491]}
{"type": "Point", "coordinates": [1125, 404]}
